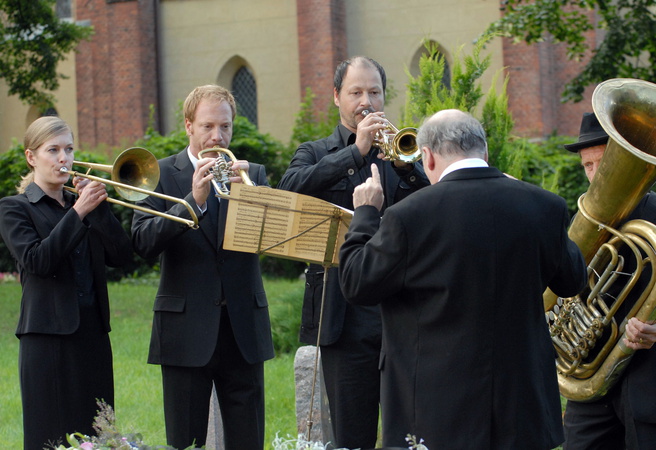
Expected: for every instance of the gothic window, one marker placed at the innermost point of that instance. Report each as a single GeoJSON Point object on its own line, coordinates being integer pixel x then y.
{"type": "Point", "coordinates": [446, 76]}
{"type": "Point", "coordinates": [63, 9]}
{"type": "Point", "coordinates": [244, 90]}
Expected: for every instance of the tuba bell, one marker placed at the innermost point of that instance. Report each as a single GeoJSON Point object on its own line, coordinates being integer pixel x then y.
{"type": "Point", "coordinates": [588, 330]}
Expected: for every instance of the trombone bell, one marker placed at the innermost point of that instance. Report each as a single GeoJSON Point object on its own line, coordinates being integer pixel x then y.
{"type": "Point", "coordinates": [135, 167]}
{"type": "Point", "coordinates": [134, 176]}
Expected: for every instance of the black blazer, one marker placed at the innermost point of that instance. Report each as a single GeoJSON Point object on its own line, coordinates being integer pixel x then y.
{"type": "Point", "coordinates": [328, 170]}
{"type": "Point", "coordinates": [197, 275]}
{"type": "Point", "coordinates": [641, 371]}
{"type": "Point", "coordinates": [459, 269]}
{"type": "Point", "coordinates": [43, 249]}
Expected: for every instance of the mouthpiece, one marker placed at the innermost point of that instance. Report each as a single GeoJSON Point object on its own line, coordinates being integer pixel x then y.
{"type": "Point", "coordinates": [64, 170]}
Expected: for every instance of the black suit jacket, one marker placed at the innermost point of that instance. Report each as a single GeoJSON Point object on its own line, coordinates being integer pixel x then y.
{"type": "Point", "coordinates": [329, 170]}
{"type": "Point", "coordinates": [459, 269]}
{"type": "Point", "coordinates": [43, 248]}
{"type": "Point", "coordinates": [197, 275]}
{"type": "Point", "coordinates": [641, 371]}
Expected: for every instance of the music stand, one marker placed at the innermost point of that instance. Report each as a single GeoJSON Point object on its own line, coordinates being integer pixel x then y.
{"type": "Point", "coordinates": [287, 225]}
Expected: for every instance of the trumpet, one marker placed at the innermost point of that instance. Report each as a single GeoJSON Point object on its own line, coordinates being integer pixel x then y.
{"type": "Point", "coordinates": [222, 171]}
{"type": "Point", "coordinates": [397, 145]}
{"type": "Point", "coordinates": [134, 175]}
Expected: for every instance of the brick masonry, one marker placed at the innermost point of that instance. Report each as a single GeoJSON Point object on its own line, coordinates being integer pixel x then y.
{"type": "Point", "coordinates": [537, 77]}
{"type": "Point", "coordinates": [117, 77]}
{"type": "Point", "coordinates": [321, 46]}
{"type": "Point", "coordinates": [116, 71]}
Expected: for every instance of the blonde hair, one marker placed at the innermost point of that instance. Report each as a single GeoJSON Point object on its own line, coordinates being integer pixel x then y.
{"type": "Point", "coordinates": [211, 92]}
{"type": "Point", "coordinates": [36, 135]}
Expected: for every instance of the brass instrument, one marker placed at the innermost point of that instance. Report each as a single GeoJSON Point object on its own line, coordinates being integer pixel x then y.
{"type": "Point", "coordinates": [134, 175]}
{"type": "Point", "coordinates": [222, 171]}
{"type": "Point", "coordinates": [587, 335]}
{"type": "Point", "coordinates": [397, 145]}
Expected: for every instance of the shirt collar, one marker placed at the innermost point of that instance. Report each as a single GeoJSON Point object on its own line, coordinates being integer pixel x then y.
{"type": "Point", "coordinates": [466, 163]}
{"type": "Point", "coordinates": [348, 137]}
{"type": "Point", "coordinates": [34, 194]}
{"type": "Point", "coordinates": [192, 158]}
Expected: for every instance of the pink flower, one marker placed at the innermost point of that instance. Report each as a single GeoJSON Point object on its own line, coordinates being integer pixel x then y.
{"type": "Point", "coordinates": [86, 446]}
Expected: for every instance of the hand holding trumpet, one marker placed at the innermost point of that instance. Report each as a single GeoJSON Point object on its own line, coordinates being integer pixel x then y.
{"type": "Point", "coordinates": [398, 146]}
{"type": "Point", "coordinates": [220, 171]}
{"type": "Point", "coordinates": [368, 130]}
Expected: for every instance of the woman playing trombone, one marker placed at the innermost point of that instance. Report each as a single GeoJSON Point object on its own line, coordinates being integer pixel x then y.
{"type": "Point", "coordinates": [61, 244]}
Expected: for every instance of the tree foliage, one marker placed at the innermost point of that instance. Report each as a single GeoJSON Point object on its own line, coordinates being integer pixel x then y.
{"type": "Point", "coordinates": [33, 41]}
{"type": "Point", "coordinates": [628, 28]}
{"type": "Point", "coordinates": [426, 94]}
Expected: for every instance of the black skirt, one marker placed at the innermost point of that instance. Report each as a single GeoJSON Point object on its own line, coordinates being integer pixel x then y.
{"type": "Point", "coordinates": [61, 377]}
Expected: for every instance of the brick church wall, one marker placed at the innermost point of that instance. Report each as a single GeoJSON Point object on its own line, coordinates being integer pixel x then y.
{"type": "Point", "coordinates": [116, 71]}
{"type": "Point", "coordinates": [322, 45]}
{"type": "Point", "coordinates": [537, 77]}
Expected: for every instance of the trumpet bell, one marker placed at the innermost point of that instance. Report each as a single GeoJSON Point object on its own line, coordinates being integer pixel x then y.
{"type": "Point", "coordinates": [404, 146]}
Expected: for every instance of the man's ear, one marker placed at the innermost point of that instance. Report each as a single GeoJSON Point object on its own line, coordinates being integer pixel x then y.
{"type": "Point", "coordinates": [335, 97]}
{"type": "Point", "coordinates": [428, 158]}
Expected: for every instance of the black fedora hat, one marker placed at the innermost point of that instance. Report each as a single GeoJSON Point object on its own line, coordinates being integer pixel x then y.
{"type": "Point", "coordinates": [590, 134]}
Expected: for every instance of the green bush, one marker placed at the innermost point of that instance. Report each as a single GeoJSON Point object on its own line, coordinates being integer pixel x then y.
{"type": "Point", "coordinates": [549, 165]}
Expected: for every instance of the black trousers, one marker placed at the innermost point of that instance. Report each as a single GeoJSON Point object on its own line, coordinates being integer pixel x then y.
{"type": "Point", "coordinates": [61, 377]}
{"type": "Point", "coordinates": [239, 388]}
{"type": "Point", "coordinates": [607, 424]}
{"type": "Point", "coordinates": [352, 379]}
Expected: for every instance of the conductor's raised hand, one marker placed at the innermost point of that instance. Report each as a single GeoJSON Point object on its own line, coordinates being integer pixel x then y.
{"type": "Point", "coordinates": [370, 192]}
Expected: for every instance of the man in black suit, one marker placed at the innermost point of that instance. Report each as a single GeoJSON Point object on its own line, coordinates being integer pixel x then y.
{"type": "Point", "coordinates": [211, 318]}
{"type": "Point", "coordinates": [459, 269]}
{"type": "Point", "coordinates": [329, 169]}
{"type": "Point", "coordinates": [626, 416]}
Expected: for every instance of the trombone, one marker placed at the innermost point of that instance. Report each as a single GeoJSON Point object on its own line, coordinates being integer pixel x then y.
{"type": "Point", "coordinates": [134, 175]}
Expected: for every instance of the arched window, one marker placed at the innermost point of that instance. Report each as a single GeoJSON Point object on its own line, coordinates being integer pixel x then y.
{"type": "Point", "coordinates": [438, 53]}
{"type": "Point", "coordinates": [446, 76]}
{"type": "Point", "coordinates": [244, 90]}
{"type": "Point", "coordinates": [63, 9]}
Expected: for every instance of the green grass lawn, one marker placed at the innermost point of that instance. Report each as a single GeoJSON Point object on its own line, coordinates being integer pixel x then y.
{"type": "Point", "coordinates": [137, 384]}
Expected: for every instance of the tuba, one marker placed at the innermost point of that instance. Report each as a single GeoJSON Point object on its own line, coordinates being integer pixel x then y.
{"type": "Point", "coordinates": [588, 330]}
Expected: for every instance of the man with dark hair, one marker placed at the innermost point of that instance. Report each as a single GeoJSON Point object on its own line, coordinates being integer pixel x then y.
{"type": "Point", "coordinates": [626, 416]}
{"type": "Point", "coordinates": [329, 169]}
{"type": "Point", "coordinates": [459, 269]}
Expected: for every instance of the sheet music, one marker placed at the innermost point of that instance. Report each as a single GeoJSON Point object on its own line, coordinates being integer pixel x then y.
{"type": "Point", "coordinates": [284, 224]}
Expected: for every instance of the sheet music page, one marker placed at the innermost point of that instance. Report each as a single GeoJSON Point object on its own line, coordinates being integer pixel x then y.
{"type": "Point", "coordinates": [282, 223]}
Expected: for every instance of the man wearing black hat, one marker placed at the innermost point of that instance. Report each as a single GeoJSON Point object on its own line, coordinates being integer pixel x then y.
{"type": "Point", "coordinates": [626, 416]}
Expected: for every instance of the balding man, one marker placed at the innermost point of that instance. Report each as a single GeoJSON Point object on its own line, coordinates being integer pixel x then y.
{"type": "Point", "coordinates": [459, 269]}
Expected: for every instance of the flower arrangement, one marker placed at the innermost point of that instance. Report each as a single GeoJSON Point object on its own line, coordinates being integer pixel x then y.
{"type": "Point", "coordinates": [108, 436]}
{"type": "Point", "coordinates": [8, 277]}
{"type": "Point", "coordinates": [300, 443]}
